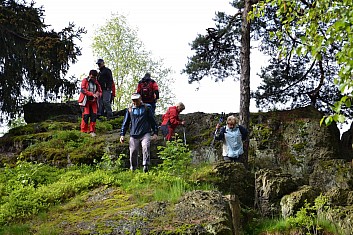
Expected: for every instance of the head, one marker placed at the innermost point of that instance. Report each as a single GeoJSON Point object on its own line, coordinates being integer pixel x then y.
{"type": "Point", "coordinates": [231, 122]}
{"type": "Point", "coordinates": [147, 76]}
{"type": "Point", "coordinates": [100, 63]}
{"type": "Point", "coordinates": [180, 106]}
{"type": "Point", "coordinates": [93, 74]}
{"type": "Point", "coordinates": [136, 99]}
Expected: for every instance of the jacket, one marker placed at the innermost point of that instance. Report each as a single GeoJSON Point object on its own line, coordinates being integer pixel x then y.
{"type": "Point", "coordinates": [142, 121]}
{"type": "Point", "coordinates": [105, 78]}
{"type": "Point", "coordinates": [232, 140]}
{"type": "Point", "coordinates": [88, 91]}
{"type": "Point", "coordinates": [172, 115]}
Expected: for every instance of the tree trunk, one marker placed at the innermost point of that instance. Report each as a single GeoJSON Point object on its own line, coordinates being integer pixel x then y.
{"type": "Point", "coordinates": [244, 112]}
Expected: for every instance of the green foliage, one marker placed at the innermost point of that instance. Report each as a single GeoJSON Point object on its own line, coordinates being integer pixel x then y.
{"type": "Point", "coordinates": [176, 157]}
{"type": "Point", "coordinates": [29, 188]}
{"type": "Point", "coordinates": [130, 61]}
{"type": "Point", "coordinates": [35, 59]}
{"type": "Point", "coordinates": [107, 163]}
{"type": "Point", "coordinates": [326, 32]}
{"type": "Point", "coordinates": [308, 220]}
{"type": "Point", "coordinates": [262, 134]}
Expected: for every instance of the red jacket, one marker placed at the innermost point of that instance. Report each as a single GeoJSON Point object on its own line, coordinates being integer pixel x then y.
{"type": "Point", "coordinates": [85, 91]}
{"type": "Point", "coordinates": [172, 115]}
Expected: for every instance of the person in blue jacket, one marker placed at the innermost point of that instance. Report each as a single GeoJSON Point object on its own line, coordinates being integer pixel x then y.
{"type": "Point", "coordinates": [142, 121]}
{"type": "Point", "coordinates": [232, 136]}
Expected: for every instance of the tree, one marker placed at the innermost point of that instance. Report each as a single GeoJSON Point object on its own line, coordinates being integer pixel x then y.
{"type": "Point", "coordinates": [217, 55]}
{"type": "Point", "coordinates": [33, 61]}
{"type": "Point", "coordinates": [125, 55]}
{"type": "Point", "coordinates": [291, 79]}
{"type": "Point", "coordinates": [326, 27]}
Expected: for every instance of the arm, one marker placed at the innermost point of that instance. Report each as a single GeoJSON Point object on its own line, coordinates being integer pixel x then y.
{"type": "Point", "coordinates": [138, 89]}
{"type": "Point", "coordinates": [244, 132]}
{"type": "Point", "coordinates": [219, 134]}
{"type": "Point", "coordinates": [126, 123]}
{"type": "Point", "coordinates": [156, 90]}
{"type": "Point", "coordinates": [113, 89]}
{"type": "Point", "coordinates": [174, 117]}
{"type": "Point", "coordinates": [84, 86]}
{"type": "Point", "coordinates": [152, 121]}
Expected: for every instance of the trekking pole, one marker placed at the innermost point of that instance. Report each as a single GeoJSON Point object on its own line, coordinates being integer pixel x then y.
{"type": "Point", "coordinates": [219, 122]}
{"type": "Point", "coordinates": [184, 135]}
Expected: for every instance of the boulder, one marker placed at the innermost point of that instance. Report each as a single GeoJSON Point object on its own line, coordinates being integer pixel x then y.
{"type": "Point", "coordinates": [291, 203]}
{"type": "Point", "coordinates": [38, 112]}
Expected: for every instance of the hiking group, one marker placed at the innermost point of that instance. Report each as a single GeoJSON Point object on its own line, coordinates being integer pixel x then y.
{"type": "Point", "coordinates": [97, 94]}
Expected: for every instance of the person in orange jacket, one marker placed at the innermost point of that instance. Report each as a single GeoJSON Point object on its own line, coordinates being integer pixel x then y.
{"type": "Point", "coordinates": [88, 99]}
{"type": "Point", "coordinates": [170, 120]}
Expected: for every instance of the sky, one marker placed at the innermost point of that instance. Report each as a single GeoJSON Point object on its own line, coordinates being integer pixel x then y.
{"type": "Point", "coordinates": [166, 28]}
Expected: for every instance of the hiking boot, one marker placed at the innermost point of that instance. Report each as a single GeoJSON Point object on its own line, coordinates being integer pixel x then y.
{"type": "Point", "coordinates": [145, 169]}
{"type": "Point", "coordinates": [93, 134]}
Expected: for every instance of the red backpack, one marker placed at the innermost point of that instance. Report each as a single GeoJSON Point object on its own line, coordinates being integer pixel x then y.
{"type": "Point", "coordinates": [146, 91]}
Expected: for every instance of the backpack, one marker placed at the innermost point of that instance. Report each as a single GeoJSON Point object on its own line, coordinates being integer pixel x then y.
{"type": "Point", "coordinates": [147, 92]}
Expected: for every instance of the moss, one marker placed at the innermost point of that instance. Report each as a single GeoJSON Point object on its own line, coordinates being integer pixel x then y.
{"type": "Point", "coordinates": [299, 146]}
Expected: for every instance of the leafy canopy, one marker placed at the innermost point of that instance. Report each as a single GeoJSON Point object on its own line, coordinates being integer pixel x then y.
{"type": "Point", "coordinates": [33, 60]}
{"type": "Point", "coordinates": [125, 55]}
{"type": "Point", "coordinates": [326, 25]}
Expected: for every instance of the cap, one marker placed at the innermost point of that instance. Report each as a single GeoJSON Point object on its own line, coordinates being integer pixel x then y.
{"type": "Point", "coordinates": [135, 96]}
{"type": "Point", "coordinates": [99, 61]}
{"type": "Point", "coordinates": [147, 76]}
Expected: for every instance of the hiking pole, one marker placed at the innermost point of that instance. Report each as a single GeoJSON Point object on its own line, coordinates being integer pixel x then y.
{"type": "Point", "coordinates": [219, 122]}
{"type": "Point", "coordinates": [184, 135]}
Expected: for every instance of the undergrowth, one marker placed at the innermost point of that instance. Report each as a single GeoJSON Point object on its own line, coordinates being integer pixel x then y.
{"type": "Point", "coordinates": [29, 189]}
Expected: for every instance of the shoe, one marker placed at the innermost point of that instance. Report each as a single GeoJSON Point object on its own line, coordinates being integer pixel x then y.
{"type": "Point", "coordinates": [93, 134]}
{"type": "Point", "coordinates": [145, 169]}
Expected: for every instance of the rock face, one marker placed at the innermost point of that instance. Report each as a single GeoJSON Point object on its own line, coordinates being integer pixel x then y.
{"type": "Point", "coordinates": [38, 112]}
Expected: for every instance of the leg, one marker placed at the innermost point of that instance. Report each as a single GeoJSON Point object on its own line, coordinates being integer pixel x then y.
{"type": "Point", "coordinates": [93, 114]}
{"type": "Point", "coordinates": [85, 118]}
{"type": "Point", "coordinates": [106, 102]}
{"type": "Point", "coordinates": [134, 147]}
{"type": "Point", "coordinates": [100, 107]}
{"type": "Point", "coordinates": [145, 142]}
{"type": "Point", "coordinates": [170, 133]}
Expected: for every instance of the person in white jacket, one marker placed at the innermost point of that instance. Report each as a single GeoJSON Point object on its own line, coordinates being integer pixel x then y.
{"type": "Point", "coordinates": [232, 136]}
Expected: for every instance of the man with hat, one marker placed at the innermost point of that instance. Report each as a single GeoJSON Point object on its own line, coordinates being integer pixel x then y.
{"type": "Point", "coordinates": [142, 120]}
{"type": "Point", "coordinates": [105, 79]}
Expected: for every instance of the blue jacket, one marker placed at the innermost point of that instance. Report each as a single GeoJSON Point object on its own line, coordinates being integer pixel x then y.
{"type": "Point", "coordinates": [232, 140]}
{"type": "Point", "coordinates": [142, 121]}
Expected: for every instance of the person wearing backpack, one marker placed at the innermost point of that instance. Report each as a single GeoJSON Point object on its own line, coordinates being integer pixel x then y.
{"type": "Point", "coordinates": [142, 121]}
{"type": "Point", "coordinates": [170, 120]}
{"type": "Point", "coordinates": [232, 136]}
{"type": "Point", "coordinates": [88, 100]}
{"type": "Point", "coordinates": [149, 91]}
{"type": "Point", "coordinates": [105, 79]}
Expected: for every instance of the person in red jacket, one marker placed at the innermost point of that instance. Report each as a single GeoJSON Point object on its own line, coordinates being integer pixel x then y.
{"type": "Point", "coordinates": [149, 91]}
{"type": "Point", "coordinates": [88, 100]}
{"type": "Point", "coordinates": [170, 120]}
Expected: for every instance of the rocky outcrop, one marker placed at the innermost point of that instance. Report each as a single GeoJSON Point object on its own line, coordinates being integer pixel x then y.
{"type": "Point", "coordinates": [39, 112]}
{"type": "Point", "coordinates": [292, 160]}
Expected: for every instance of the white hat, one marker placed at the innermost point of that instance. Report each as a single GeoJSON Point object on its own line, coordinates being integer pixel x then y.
{"type": "Point", "coordinates": [135, 96]}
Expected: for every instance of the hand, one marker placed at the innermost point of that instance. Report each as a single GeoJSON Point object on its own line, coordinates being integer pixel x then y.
{"type": "Point", "coordinates": [121, 139]}
{"type": "Point", "coordinates": [154, 137]}
{"type": "Point", "coordinates": [183, 123]}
